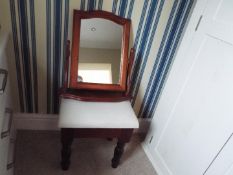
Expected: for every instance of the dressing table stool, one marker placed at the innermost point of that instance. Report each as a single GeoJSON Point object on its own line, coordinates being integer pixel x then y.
{"type": "Point", "coordinates": [95, 119]}
{"type": "Point", "coordinates": [90, 108]}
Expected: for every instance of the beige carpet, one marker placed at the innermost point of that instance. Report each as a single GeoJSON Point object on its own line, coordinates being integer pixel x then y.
{"type": "Point", "coordinates": [38, 153]}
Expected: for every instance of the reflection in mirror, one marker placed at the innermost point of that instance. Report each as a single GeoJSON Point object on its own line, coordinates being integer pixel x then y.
{"type": "Point", "coordinates": [100, 51]}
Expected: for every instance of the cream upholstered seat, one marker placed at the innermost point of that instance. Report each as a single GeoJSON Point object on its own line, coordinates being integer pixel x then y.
{"type": "Point", "coordinates": [84, 114]}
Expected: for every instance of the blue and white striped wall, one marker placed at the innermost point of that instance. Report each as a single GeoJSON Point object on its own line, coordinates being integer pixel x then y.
{"type": "Point", "coordinates": [40, 29]}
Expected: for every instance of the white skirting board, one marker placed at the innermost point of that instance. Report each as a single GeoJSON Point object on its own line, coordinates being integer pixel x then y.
{"type": "Point", "coordinates": [151, 158]}
{"type": "Point", "coordinates": [32, 121]}
{"type": "Point", "coordinates": [156, 160]}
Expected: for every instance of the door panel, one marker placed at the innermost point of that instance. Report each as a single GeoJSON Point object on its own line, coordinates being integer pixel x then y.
{"type": "Point", "coordinates": [224, 160]}
{"type": "Point", "coordinates": [198, 95]}
{"type": "Point", "coordinates": [202, 117]}
{"type": "Point", "coordinates": [218, 20]}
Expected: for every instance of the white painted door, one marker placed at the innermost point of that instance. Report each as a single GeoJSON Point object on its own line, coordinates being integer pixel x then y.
{"type": "Point", "coordinates": [194, 117]}
{"type": "Point", "coordinates": [223, 163]}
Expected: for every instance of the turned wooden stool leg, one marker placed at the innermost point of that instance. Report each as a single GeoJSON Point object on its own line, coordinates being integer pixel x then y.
{"type": "Point", "coordinates": [118, 153]}
{"type": "Point", "coordinates": [123, 138]}
{"type": "Point", "coordinates": [67, 136]}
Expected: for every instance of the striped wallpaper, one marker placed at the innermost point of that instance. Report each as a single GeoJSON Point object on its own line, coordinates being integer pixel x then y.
{"type": "Point", "coordinates": [40, 29]}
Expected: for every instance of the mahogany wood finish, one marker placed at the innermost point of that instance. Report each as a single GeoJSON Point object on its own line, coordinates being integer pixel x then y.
{"type": "Point", "coordinates": [67, 137]}
{"type": "Point", "coordinates": [96, 95]}
{"type": "Point", "coordinates": [125, 23]}
{"type": "Point", "coordinates": [117, 154]}
{"type": "Point", "coordinates": [96, 92]}
{"type": "Point", "coordinates": [130, 64]}
{"type": "Point", "coordinates": [68, 134]}
{"type": "Point", "coordinates": [66, 68]}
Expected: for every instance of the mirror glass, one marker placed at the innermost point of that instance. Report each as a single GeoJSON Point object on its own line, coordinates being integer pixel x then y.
{"type": "Point", "coordinates": [99, 51]}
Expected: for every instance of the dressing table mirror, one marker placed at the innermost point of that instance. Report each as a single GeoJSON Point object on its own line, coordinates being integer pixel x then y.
{"type": "Point", "coordinates": [99, 51]}
{"type": "Point", "coordinates": [100, 47]}
{"type": "Point", "coordinates": [95, 98]}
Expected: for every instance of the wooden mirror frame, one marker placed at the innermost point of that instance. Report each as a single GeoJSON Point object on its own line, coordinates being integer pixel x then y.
{"type": "Point", "coordinates": [125, 23]}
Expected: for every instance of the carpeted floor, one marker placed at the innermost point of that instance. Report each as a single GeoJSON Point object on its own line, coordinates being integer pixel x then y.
{"type": "Point", "coordinates": [38, 153]}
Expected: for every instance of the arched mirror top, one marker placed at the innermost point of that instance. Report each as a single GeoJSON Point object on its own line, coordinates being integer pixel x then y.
{"type": "Point", "coordinates": [99, 56]}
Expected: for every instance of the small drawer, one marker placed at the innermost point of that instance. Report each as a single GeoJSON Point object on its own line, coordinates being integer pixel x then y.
{"type": "Point", "coordinates": [7, 122]}
{"type": "Point", "coordinates": [2, 106]}
{"type": "Point", "coordinates": [4, 92]}
{"type": "Point", "coordinates": [3, 80]}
